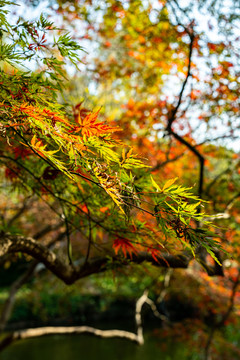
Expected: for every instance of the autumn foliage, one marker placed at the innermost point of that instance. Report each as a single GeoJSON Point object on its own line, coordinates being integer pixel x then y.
{"type": "Point", "coordinates": [132, 159]}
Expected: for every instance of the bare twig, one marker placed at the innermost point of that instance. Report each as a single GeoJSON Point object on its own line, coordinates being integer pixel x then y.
{"type": "Point", "coordinates": [174, 111]}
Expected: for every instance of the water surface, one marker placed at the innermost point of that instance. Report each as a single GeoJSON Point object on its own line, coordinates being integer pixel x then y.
{"type": "Point", "coordinates": [81, 347]}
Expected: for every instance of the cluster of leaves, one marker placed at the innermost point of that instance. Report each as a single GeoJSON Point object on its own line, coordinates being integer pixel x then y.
{"type": "Point", "coordinates": [42, 134]}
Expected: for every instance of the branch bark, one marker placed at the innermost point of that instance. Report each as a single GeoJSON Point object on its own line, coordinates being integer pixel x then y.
{"type": "Point", "coordinates": [69, 273]}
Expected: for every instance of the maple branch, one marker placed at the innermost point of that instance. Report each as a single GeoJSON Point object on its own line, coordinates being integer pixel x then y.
{"type": "Point", "coordinates": [155, 311]}
{"type": "Point", "coordinates": [217, 138]}
{"type": "Point", "coordinates": [180, 260]}
{"type": "Point", "coordinates": [69, 273]}
{"type": "Point", "coordinates": [181, 10]}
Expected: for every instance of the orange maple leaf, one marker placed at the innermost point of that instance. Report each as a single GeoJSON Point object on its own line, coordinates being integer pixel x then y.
{"type": "Point", "coordinates": [39, 147]}
{"type": "Point", "coordinates": [89, 126]}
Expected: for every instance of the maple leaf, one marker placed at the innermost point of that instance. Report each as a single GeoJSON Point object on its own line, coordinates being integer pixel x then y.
{"type": "Point", "coordinates": [40, 148]}
{"type": "Point", "coordinates": [89, 126]}
{"type": "Point", "coordinates": [37, 145]}
{"type": "Point", "coordinates": [84, 208]}
{"type": "Point", "coordinates": [154, 253]}
{"type": "Point", "coordinates": [124, 245]}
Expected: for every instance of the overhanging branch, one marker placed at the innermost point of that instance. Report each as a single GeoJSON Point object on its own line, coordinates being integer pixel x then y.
{"type": "Point", "coordinates": [69, 273]}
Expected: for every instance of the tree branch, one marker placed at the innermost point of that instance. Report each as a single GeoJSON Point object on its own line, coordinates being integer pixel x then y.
{"type": "Point", "coordinates": [172, 117]}
{"type": "Point", "coordinates": [51, 330]}
{"type": "Point", "coordinates": [199, 156]}
{"type": "Point", "coordinates": [69, 273]}
{"type": "Point", "coordinates": [174, 111]}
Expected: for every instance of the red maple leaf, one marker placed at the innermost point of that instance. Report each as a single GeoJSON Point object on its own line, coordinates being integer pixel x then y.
{"type": "Point", "coordinates": [154, 253]}
{"type": "Point", "coordinates": [124, 245]}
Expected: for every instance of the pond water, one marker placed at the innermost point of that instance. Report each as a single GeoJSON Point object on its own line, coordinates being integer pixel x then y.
{"type": "Point", "coordinates": [76, 347]}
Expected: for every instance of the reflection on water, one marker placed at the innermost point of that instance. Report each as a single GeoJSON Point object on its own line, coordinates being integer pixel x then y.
{"type": "Point", "coordinates": [81, 347]}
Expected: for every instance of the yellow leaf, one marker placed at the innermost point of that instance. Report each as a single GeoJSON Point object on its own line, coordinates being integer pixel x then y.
{"type": "Point", "coordinates": [155, 185]}
{"type": "Point", "coordinates": [123, 155]}
{"type": "Point", "coordinates": [129, 153]}
{"type": "Point", "coordinates": [169, 183]}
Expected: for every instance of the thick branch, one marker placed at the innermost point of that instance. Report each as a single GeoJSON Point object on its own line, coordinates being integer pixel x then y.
{"type": "Point", "coordinates": [17, 243]}
{"type": "Point", "coordinates": [69, 273]}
